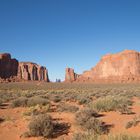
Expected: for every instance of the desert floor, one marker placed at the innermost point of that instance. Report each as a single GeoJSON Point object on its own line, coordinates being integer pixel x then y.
{"type": "Point", "coordinates": [14, 122]}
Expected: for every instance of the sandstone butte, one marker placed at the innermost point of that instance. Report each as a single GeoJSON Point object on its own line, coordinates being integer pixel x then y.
{"type": "Point", "coordinates": [123, 67]}
{"type": "Point", "coordinates": [11, 70]}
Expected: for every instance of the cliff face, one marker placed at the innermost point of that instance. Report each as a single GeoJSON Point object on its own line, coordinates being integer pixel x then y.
{"type": "Point", "coordinates": [12, 70]}
{"type": "Point", "coordinates": [70, 75]}
{"type": "Point", "coordinates": [120, 67]}
{"type": "Point", "coordinates": [32, 71]}
{"type": "Point", "coordinates": [124, 66]}
{"type": "Point", "coordinates": [8, 66]}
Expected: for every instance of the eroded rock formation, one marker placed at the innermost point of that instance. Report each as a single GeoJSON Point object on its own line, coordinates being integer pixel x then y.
{"type": "Point", "coordinates": [113, 68]}
{"type": "Point", "coordinates": [8, 66]}
{"type": "Point", "coordinates": [12, 70]}
{"type": "Point", "coordinates": [70, 75]}
{"type": "Point", "coordinates": [32, 71]}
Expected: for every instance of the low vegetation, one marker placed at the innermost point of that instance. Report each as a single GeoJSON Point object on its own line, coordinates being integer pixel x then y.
{"type": "Point", "coordinates": [20, 102]}
{"type": "Point", "coordinates": [67, 108]}
{"type": "Point", "coordinates": [87, 136]}
{"type": "Point", "coordinates": [133, 123]}
{"type": "Point", "coordinates": [111, 103]}
{"type": "Point", "coordinates": [122, 137]}
{"type": "Point", "coordinates": [28, 102]}
{"type": "Point", "coordinates": [46, 104]}
{"type": "Point", "coordinates": [1, 101]}
{"type": "Point", "coordinates": [2, 120]}
{"type": "Point", "coordinates": [6, 96]}
{"type": "Point", "coordinates": [36, 110]}
{"type": "Point", "coordinates": [44, 126]}
{"type": "Point", "coordinates": [84, 99]}
{"type": "Point", "coordinates": [90, 136]}
{"type": "Point", "coordinates": [41, 125]}
{"type": "Point", "coordinates": [33, 101]}
{"type": "Point", "coordinates": [87, 120]}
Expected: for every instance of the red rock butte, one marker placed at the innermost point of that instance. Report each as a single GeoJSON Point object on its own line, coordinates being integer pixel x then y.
{"type": "Point", "coordinates": [11, 70]}
{"type": "Point", "coordinates": [70, 76]}
{"type": "Point", "coordinates": [123, 67]}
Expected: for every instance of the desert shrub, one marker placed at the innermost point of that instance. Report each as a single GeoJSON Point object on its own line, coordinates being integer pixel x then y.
{"type": "Point", "coordinates": [112, 103]}
{"type": "Point", "coordinates": [84, 115]}
{"type": "Point", "coordinates": [122, 137]}
{"type": "Point", "coordinates": [20, 102]}
{"type": "Point", "coordinates": [1, 101]}
{"type": "Point", "coordinates": [67, 108]}
{"type": "Point", "coordinates": [33, 101]}
{"type": "Point", "coordinates": [87, 119]}
{"type": "Point", "coordinates": [29, 94]}
{"type": "Point", "coordinates": [95, 125]}
{"type": "Point", "coordinates": [70, 97]}
{"type": "Point", "coordinates": [55, 98]}
{"type": "Point", "coordinates": [132, 123]}
{"type": "Point", "coordinates": [86, 136]}
{"type": "Point", "coordinates": [6, 96]}
{"type": "Point", "coordinates": [36, 110]}
{"type": "Point", "coordinates": [83, 98]}
{"type": "Point", "coordinates": [91, 136]}
{"type": "Point", "coordinates": [41, 125]}
{"type": "Point", "coordinates": [124, 109]}
{"type": "Point", "coordinates": [1, 120]}
{"type": "Point", "coordinates": [129, 124]}
{"type": "Point", "coordinates": [28, 102]}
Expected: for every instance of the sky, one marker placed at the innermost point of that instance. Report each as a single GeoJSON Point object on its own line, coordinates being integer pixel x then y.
{"type": "Point", "coordinates": [68, 33]}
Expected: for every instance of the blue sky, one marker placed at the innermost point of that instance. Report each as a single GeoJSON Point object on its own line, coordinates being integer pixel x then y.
{"type": "Point", "coordinates": [68, 33]}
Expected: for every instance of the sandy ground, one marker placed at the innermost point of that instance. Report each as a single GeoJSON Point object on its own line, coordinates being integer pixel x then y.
{"type": "Point", "coordinates": [119, 121]}
{"type": "Point", "coordinates": [15, 123]}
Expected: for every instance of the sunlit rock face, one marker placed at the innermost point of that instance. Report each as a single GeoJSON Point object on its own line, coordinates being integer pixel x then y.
{"type": "Point", "coordinates": [12, 70]}
{"type": "Point", "coordinates": [32, 71]}
{"type": "Point", "coordinates": [121, 67]}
